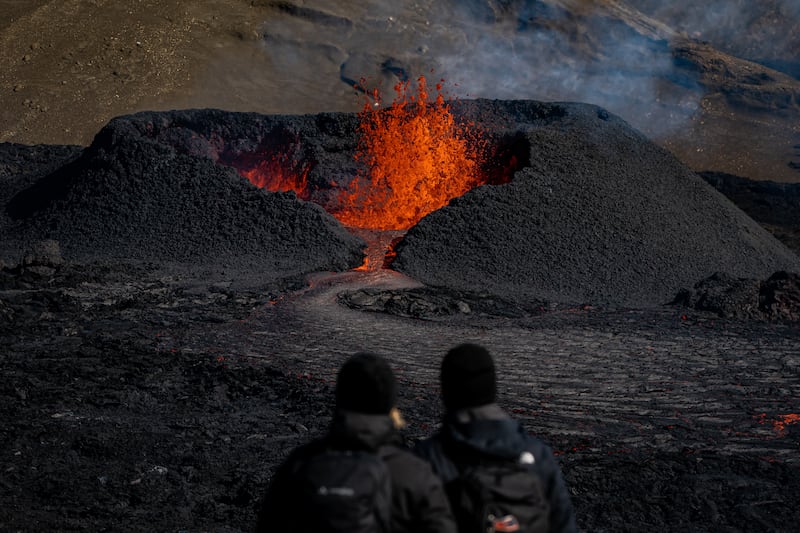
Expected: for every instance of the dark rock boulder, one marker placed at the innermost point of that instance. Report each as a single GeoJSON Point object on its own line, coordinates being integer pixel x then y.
{"type": "Point", "coordinates": [433, 304]}
{"type": "Point", "coordinates": [779, 296]}
{"type": "Point", "coordinates": [776, 298]}
{"type": "Point", "coordinates": [43, 258]}
{"type": "Point", "coordinates": [723, 294]}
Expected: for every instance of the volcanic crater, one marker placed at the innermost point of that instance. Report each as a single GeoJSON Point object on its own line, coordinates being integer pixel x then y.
{"type": "Point", "coordinates": [566, 203]}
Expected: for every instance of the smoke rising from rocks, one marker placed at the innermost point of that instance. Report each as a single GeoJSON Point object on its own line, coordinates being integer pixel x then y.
{"type": "Point", "coordinates": [605, 55]}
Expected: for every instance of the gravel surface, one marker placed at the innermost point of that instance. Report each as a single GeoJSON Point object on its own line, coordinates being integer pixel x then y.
{"type": "Point", "coordinates": [134, 401]}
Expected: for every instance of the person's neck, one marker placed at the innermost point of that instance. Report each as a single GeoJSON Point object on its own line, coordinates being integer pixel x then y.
{"type": "Point", "coordinates": [489, 411]}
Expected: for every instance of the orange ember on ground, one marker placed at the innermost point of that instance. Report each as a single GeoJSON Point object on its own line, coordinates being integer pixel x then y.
{"type": "Point", "coordinates": [780, 422]}
{"type": "Point", "coordinates": [785, 420]}
{"type": "Point", "coordinates": [416, 159]}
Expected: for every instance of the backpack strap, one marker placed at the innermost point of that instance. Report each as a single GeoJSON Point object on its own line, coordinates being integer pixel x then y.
{"type": "Point", "coordinates": [329, 505]}
{"type": "Point", "coordinates": [490, 493]}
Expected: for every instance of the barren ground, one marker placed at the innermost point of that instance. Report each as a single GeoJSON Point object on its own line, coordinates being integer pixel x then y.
{"type": "Point", "coordinates": [140, 397]}
{"type": "Point", "coordinates": [137, 401]}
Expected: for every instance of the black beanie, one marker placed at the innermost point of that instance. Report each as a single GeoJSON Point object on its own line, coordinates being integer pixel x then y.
{"type": "Point", "coordinates": [366, 384]}
{"type": "Point", "coordinates": [468, 377]}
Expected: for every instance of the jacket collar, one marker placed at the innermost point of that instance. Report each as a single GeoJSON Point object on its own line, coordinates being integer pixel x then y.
{"type": "Point", "coordinates": [360, 431]}
{"type": "Point", "coordinates": [490, 411]}
{"type": "Point", "coordinates": [486, 430]}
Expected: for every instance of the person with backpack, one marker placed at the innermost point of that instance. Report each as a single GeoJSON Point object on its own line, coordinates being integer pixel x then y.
{"type": "Point", "coordinates": [358, 478]}
{"type": "Point", "coordinates": [498, 478]}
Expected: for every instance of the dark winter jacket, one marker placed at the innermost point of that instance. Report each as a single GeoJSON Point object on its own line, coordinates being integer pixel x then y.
{"type": "Point", "coordinates": [419, 504]}
{"type": "Point", "coordinates": [489, 430]}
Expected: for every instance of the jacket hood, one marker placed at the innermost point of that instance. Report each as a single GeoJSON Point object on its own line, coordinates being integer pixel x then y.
{"type": "Point", "coordinates": [361, 431]}
{"type": "Point", "coordinates": [487, 430]}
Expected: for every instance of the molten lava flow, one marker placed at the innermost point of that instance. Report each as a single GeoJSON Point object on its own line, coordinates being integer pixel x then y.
{"type": "Point", "coordinates": [277, 175]}
{"type": "Point", "coordinates": [391, 252]}
{"type": "Point", "coordinates": [785, 420]}
{"type": "Point", "coordinates": [416, 159]}
{"type": "Point", "coordinates": [364, 266]}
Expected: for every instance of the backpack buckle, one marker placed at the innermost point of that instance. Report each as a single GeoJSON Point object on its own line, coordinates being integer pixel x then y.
{"type": "Point", "coordinates": [503, 524]}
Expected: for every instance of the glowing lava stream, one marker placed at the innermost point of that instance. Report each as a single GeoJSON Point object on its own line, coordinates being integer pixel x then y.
{"type": "Point", "coordinates": [380, 248]}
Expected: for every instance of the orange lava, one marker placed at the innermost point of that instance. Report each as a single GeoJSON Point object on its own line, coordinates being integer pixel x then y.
{"type": "Point", "coordinates": [416, 158]}
{"type": "Point", "coordinates": [277, 175]}
{"type": "Point", "coordinates": [364, 266]}
{"type": "Point", "coordinates": [780, 422]}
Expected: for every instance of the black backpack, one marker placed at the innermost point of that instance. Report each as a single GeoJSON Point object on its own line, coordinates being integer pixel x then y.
{"type": "Point", "coordinates": [496, 495]}
{"type": "Point", "coordinates": [342, 491]}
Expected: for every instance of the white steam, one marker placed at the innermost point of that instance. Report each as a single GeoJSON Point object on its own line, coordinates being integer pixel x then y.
{"type": "Point", "coordinates": [601, 52]}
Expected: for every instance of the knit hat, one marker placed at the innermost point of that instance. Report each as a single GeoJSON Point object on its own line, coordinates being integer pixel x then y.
{"type": "Point", "coordinates": [468, 377]}
{"type": "Point", "coordinates": [366, 384]}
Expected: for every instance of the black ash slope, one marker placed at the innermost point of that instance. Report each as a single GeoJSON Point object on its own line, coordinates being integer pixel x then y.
{"type": "Point", "coordinates": [776, 206]}
{"type": "Point", "coordinates": [601, 215]}
{"type": "Point", "coordinates": [133, 196]}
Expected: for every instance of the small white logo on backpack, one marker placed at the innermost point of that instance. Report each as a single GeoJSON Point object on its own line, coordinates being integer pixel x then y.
{"type": "Point", "coordinates": [346, 492]}
{"type": "Point", "coordinates": [526, 458]}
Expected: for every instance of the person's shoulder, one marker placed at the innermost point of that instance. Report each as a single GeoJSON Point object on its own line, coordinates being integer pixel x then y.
{"type": "Point", "coordinates": [534, 443]}
{"type": "Point", "coordinates": [537, 444]}
{"type": "Point", "coordinates": [543, 456]}
{"type": "Point", "coordinates": [303, 451]}
{"type": "Point", "coordinates": [434, 450]}
{"type": "Point", "coordinates": [425, 446]}
{"type": "Point", "coordinates": [401, 458]}
{"type": "Point", "coordinates": [396, 451]}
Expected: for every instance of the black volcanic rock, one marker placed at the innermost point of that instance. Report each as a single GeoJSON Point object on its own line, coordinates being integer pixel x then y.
{"type": "Point", "coordinates": [432, 304]}
{"type": "Point", "coordinates": [776, 298]}
{"type": "Point", "coordinates": [601, 215]}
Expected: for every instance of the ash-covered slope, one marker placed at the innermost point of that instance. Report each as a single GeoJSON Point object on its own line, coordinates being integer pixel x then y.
{"type": "Point", "coordinates": [763, 31]}
{"type": "Point", "coordinates": [600, 215]}
{"type": "Point", "coordinates": [776, 206]}
{"type": "Point", "coordinates": [131, 195]}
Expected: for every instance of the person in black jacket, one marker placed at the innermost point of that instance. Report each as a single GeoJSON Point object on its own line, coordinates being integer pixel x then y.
{"type": "Point", "coordinates": [365, 422]}
{"type": "Point", "coordinates": [475, 429]}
